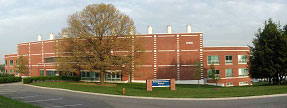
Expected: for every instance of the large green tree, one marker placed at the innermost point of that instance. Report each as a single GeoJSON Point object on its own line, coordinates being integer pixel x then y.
{"type": "Point", "coordinates": [269, 53]}
{"type": "Point", "coordinates": [100, 38]}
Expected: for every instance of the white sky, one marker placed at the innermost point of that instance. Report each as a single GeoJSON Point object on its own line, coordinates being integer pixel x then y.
{"type": "Point", "coordinates": [223, 22]}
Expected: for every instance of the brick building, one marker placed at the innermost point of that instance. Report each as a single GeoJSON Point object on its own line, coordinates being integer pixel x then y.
{"type": "Point", "coordinates": [169, 55]}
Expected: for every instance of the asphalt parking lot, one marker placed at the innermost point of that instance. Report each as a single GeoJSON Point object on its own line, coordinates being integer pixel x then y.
{"type": "Point", "coordinates": [48, 98]}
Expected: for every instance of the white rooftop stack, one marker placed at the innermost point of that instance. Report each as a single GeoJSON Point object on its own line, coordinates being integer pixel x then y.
{"type": "Point", "coordinates": [51, 36]}
{"type": "Point", "coordinates": [188, 28]}
{"type": "Point", "coordinates": [149, 29]}
{"type": "Point", "coordinates": [39, 37]}
{"type": "Point", "coordinates": [169, 29]}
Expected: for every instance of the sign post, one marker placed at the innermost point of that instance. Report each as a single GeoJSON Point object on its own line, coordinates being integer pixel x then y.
{"type": "Point", "coordinates": [160, 83]}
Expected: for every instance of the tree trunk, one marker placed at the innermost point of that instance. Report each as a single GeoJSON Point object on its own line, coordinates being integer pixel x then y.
{"type": "Point", "coordinates": [269, 81]}
{"type": "Point", "coordinates": [102, 80]}
{"type": "Point", "coordinates": [130, 77]}
{"type": "Point", "coordinates": [198, 83]}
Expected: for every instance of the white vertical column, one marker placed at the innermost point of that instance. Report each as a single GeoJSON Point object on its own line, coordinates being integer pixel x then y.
{"type": "Point", "coordinates": [133, 54]}
{"type": "Point", "coordinates": [155, 57]}
{"type": "Point", "coordinates": [42, 44]}
{"type": "Point", "coordinates": [201, 55]}
{"type": "Point", "coordinates": [29, 58]}
{"type": "Point", "coordinates": [177, 57]}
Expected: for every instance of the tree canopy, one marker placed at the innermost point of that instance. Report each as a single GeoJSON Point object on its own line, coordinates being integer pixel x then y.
{"type": "Point", "coordinates": [21, 66]}
{"type": "Point", "coordinates": [100, 38]}
{"type": "Point", "coordinates": [269, 52]}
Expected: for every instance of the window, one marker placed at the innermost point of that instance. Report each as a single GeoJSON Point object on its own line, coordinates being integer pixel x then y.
{"type": "Point", "coordinates": [114, 76]}
{"type": "Point", "coordinates": [243, 72]}
{"type": "Point", "coordinates": [41, 72]}
{"type": "Point", "coordinates": [11, 71]}
{"type": "Point", "coordinates": [51, 73]}
{"type": "Point", "coordinates": [17, 72]}
{"type": "Point", "coordinates": [11, 62]}
{"type": "Point", "coordinates": [228, 59]}
{"type": "Point", "coordinates": [243, 83]}
{"type": "Point", "coordinates": [5, 70]}
{"type": "Point", "coordinates": [212, 59]}
{"type": "Point", "coordinates": [50, 60]}
{"type": "Point", "coordinates": [242, 59]}
{"type": "Point", "coordinates": [229, 84]}
{"type": "Point", "coordinates": [5, 62]}
{"type": "Point", "coordinates": [90, 76]}
{"type": "Point", "coordinates": [210, 73]}
{"type": "Point", "coordinates": [228, 73]}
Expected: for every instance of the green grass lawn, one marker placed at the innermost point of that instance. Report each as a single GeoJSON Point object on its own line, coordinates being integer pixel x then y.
{"type": "Point", "coordinates": [182, 91]}
{"type": "Point", "coordinates": [10, 103]}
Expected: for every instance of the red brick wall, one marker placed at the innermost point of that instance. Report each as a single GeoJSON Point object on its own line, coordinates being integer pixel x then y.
{"type": "Point", "coordinates": [8, 67]}
{"type": "Point", "coordinates": [222, 52]}
{"type": "Point", "coordinates": [166, 56]}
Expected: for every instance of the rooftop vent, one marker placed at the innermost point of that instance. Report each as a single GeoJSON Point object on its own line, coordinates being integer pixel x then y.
{"type": "Point", "coordinates": [188, 28]}
{"type": "Point", "coordinates": [149, 29]}
{"type": "Point", "coordinates": [169, 29]}
{"type": "Point", "coordinates": [51, 36]}
{"type": "Point", "coordinates": [39, 37]}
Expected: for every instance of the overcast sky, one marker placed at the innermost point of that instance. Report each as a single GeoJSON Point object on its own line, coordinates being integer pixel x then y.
{"type": "Point", "coordinates": [223, 22]}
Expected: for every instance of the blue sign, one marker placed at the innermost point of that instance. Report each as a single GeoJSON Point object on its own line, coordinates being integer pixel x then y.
{"type": "Point", "coordinates": [161, 83]}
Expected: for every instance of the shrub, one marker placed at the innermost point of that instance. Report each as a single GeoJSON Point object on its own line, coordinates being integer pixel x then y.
{"type": "Point", "coordinates": [6, 75]}
{"type": "Point", "coordinates": [10, 79]}
{"type": "Point", "coordinates": [50, 78]}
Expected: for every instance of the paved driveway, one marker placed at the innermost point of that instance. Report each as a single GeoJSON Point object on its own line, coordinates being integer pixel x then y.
{"type": "Point", "coordinates": [48, 98]}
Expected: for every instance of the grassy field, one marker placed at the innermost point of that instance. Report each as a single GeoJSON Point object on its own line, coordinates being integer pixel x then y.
{"type": "Point", "coordinates": [10, 103]}
{"type": "Point", "coordinates": [182, 91]}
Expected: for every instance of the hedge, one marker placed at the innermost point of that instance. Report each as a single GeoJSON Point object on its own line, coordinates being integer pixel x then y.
{"type": "Point", "coordinates": [10, 79]}
{"type": "Point", "coordinates": [6, 75]}
{"type": "Point", "coordinates": [50, 78]}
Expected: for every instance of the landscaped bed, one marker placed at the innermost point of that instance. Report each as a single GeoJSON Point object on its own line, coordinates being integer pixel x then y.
{"type": "Point", "coordinates": [10, 103]}
{"type": "Point", "coordinates": [182, 91]}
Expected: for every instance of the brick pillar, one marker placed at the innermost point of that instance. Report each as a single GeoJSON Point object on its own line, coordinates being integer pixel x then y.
{"type": "Point", "coordinates": [172, 84]}
{"type": "Point", "coordinates": [148, 85]}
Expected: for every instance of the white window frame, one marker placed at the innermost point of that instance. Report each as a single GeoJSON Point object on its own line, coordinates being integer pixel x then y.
{"type": "Point", "coordinates": [56, 74]}
{"type": "Point", "coordinates": [10, 62]}
{"type": "Point", "coordinates": [213, 60]}
{"type": "Point", "coordinates": [239, 56]}
{"type": "Point", "coordinates": [215, 74]}
{"type": "Point", "coordinates": [239, 71]}
{"type": "Point", "coordinates": [243, 83]}
{"type": "Point", "coordinates": [40, 72]}
{"type": "Point", "coordinates": [232, 73]}
{"type": "Point", "coordinates": [226, 60]}
{"type": "Point", "coordinates": [228, 84]}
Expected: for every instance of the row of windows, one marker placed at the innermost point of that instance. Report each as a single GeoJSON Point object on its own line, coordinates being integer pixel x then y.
{"type": "Point", "coordinates": [11, 62]}
{"type": "Point", "coordinates": [242, 59]}
{"type": "Point", "coordinates": [240, 83]}
{"type": "Point", "coordinates": [11, 71]}
{"type": "Point", "coordinates": [242, 72]}
{"type": "Point", "coordinates": [48, 73]}
{"type": "Point", "coordinates": [96, 76]}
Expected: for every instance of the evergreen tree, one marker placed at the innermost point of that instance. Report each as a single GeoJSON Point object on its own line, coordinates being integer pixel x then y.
{"type": "Point", "coordinates": [268, 55]}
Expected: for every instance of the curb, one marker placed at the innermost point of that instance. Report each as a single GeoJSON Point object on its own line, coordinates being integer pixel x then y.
{"type": "Point", "coordinates": [158, 98]}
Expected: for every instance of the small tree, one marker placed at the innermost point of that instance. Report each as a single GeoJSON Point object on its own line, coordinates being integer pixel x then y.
{"type": "Point", "coordinates": [21, 65]}
{"type": "Point", "coordinates": [196, 71]}
{"type": "Point", "coordinates": [2, 67]}
{"type": "Point", "coordinates": [213, 75]}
